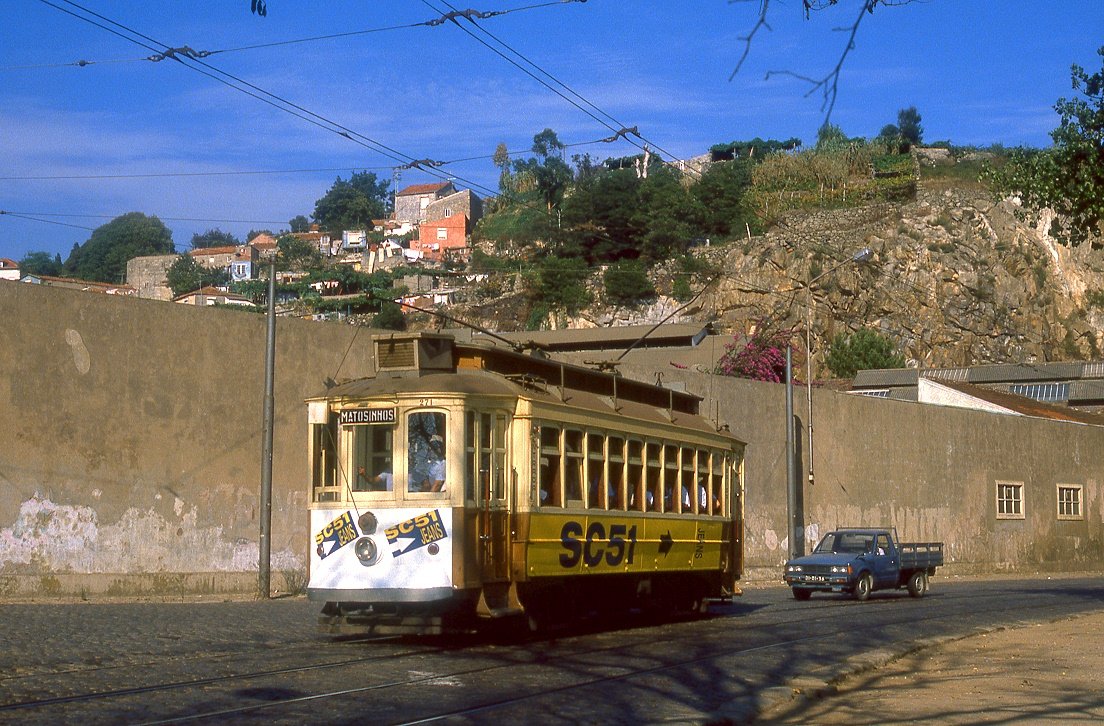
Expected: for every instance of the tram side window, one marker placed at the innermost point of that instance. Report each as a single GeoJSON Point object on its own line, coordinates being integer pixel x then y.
{"type": "Point", "coordinates": [372, 452]}
{"type": "Point", "coordinates": [426, 447]}
{"type": "Point", "coordinates": [597, 493]}
{"type": "Point", "coordinates": [549, 484]}
{"type": "Point", "coordinates": [324, 465]}
{"type": "Point", "coordinates": [573, 466]}
{"type": "Point", "coordinates": [498, 448]}
{"type": "Point", "coordinates": [701, 491]}
{"type": "Point", "coordinates": [470, 455]}
{"type": "Point", "coordinates": [653, 475]}
{"type": "Point", "coordinates": [635, 483]}
{"type": "Point", "coordinates": [717, 493]}
{"type": "Point", "coordinates": [616, 460]}
{"type": "Point", "coordinates": [492, 455]}
{"type": "Point", "coordinates": [686, 480]}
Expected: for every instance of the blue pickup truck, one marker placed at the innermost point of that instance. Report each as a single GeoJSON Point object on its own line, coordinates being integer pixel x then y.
{"type": "Point", "coordinates": [860, 561]}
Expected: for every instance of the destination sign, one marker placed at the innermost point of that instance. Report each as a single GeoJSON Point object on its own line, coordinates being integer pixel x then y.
{"type": "Point", "coordinates": [367, 416]}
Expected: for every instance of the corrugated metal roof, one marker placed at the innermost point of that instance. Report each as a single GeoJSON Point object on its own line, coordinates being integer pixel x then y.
{"type": "Point", "coordinates": [1009, 373]}
{"type": "Point", "coordinates": [945, 374]}
{"type": "Point", "coordinates": [1082, 392]}
{"type": "Point", "coordinates": [1093, 369]}
{"type": "Point", "coordinates": [886, 378]}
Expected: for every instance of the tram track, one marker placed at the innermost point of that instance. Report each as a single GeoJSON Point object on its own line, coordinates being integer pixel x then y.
{"type": "Point", "coordinates": [631, 643]}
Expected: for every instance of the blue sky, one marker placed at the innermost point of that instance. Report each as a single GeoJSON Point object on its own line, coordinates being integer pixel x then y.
{"type": "Point", "coordinates": [122, 134]}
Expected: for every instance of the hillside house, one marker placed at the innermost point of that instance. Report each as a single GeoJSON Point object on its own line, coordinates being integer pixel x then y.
{"type": "Point", "coordinates": [439, 238]}
{"type": "Point", "coordinates": [9, 269]}
{"type": "Point", "coordinates": [212, 296]}
{"type": "Point", "coordinates": [412, 203]}
{"type": "Point", "coordinates": [71, 284]}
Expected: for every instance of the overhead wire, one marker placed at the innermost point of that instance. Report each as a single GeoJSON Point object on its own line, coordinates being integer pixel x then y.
{"type": "Point", "coordinates": [617, 126]}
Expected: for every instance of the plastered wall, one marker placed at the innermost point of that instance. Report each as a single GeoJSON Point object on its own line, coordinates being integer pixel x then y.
{"type": "Point", "coordinates": [130, 449]}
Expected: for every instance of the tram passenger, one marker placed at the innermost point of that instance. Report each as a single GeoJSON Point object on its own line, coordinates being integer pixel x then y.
{"type": "Point", "coordinates": [435, 482]}
{"type": "Point", "coordinates": [381, 482]}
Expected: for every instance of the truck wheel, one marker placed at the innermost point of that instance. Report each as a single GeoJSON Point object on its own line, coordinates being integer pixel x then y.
{"type": "Point", "coordinates": [802, 593]}
{"type": "Point", "coordinates": [864, 586]}
{"type": "Point", "coordinates": [916, 584]}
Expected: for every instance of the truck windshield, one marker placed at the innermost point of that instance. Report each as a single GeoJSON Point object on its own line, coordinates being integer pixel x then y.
{"type": "Point", "coordinates": [846, 542]}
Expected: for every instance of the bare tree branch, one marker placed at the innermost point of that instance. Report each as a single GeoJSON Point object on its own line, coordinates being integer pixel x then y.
{"type": "Point", "coordinates": [829, 84]}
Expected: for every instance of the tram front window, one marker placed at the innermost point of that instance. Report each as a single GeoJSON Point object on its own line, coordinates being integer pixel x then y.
{"type": "Point", "coordinates": [372, 458]}
{"type": "Point", "coordinates": [426, 446]}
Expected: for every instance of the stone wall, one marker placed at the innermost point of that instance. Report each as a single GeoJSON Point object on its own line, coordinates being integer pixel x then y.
{"type": "Point", "coordinates": [149, 276]}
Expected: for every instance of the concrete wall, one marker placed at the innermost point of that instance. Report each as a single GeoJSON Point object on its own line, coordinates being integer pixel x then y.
{"type": "Point", "coordinates": [931, 471]}
{"type": "Point", "coordinates": [130, 448]}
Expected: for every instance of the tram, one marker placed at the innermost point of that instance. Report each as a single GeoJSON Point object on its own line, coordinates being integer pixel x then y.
{"type": "Point", "coordinates": [468, 482]}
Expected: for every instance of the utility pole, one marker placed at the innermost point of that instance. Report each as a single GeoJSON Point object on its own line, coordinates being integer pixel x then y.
{"type": "Point", "coordinates": [264, 585]}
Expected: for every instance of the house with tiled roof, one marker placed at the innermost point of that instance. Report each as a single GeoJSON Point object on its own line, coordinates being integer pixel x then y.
{"type": "Point", "coordinates": [212, 296]}
{"type": "Point", "coordinates": [9, 269]}
{"type": "Point", "coordinates": [412, 202]}
{"type": "Point", "coordinates": [214, 258]}
{"type": "Point", "coordinates": [69, 283]}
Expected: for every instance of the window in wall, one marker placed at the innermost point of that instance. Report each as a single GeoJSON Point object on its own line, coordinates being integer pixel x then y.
{"type": "Point", "coordinates": [1009, 500]}
{"type": "Point", "coordinates": [1069, 501]}
{"type": "Point", "coordinates": [442, 233]}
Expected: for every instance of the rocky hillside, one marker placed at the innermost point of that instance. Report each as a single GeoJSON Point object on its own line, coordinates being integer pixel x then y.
{"type": "Point", "coordinates": [955, 280]}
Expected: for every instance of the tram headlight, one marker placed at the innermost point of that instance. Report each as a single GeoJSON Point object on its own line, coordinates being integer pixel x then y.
{"type": "Point", "coordinates": [367, 551]}
{"type": "Point", "coordinates": [367, 523]}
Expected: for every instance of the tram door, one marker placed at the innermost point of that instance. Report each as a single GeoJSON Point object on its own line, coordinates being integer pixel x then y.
{"type": "Point", "coordinates": [494, 514]}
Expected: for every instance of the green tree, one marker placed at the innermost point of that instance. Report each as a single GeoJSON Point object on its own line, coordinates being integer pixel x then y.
{"type": "Point", "coordinates": [352, 204]}
{"type": "Point", "coordinates": [720, 192]}
{"type": "Point", "coordinates": [40, 263]}
{"type": "Point", "coordinates": [104, 256]}
{"type": "Point", "coordinates": [390, 317]}
{"type": "Point", "coordinates": [299, 223]}
{"type": "Point", "coordinates": [549, 173]}
{"type": "Point", "coordinates": [214, 238]}
{"type": "Point", "coordinates": [627, 283]}
{"type": "Point", "coordinates": [186, 275]}
{"type": "Point", "coordinates": [561, 284]}
{"type": "Point", "coordinates": [297, 254]}
{"type": "Point", "coordinates": [1069, 177]}
{"type": "Point", "coordinates": [862, 350]}
{"type": "Point", "coordinates": [908, 125]}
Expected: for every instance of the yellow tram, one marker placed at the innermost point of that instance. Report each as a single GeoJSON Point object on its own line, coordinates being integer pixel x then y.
{"type": "Point", "coordinates": [467, 481]}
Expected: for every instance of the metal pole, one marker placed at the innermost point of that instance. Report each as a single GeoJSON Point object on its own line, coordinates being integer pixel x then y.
{"type": "Point", "coordinates": [266, 445]}
{"type": "Point", "coordinates": [791, 469]}
{"type": "Point", "coordinates": [809, 373]}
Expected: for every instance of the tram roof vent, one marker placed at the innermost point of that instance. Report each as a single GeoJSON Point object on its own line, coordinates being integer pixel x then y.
{"type": "Point", "coordinates": [418, 352]}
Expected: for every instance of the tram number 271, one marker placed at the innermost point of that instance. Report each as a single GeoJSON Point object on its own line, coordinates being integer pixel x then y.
{"type": "Point", "coordinates": [618, 547]}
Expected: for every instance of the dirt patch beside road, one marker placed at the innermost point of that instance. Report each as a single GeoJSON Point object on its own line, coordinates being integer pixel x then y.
{"type": "Point", "coordinates": [1039, 673]}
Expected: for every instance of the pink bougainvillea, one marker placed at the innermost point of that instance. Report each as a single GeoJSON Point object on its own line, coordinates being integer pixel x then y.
{"type": "Point", "coordinates": [762, 357]}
